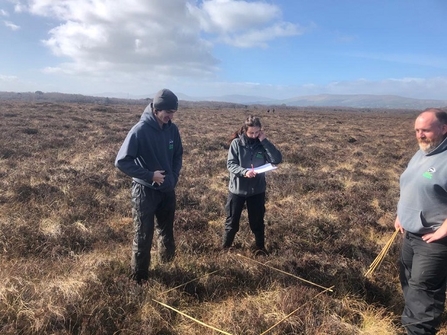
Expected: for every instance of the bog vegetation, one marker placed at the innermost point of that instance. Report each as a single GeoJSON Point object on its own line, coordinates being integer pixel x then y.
{"type": "Point", "coordinates": [66, 228]}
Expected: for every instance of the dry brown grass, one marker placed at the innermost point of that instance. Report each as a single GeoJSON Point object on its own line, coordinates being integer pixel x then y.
{"type": "Point", "coordinates": [66, 230]}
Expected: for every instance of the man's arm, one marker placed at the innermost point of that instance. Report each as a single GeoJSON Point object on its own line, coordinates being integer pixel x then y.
{"type": "Point", "coordinates": [128, 161]}
{"type": "Point", "coordinates": [441, 232]}
{"type": "Point", "coordinates": [178, 158]}
{"type": "Point", "coordinates": [397, 225]}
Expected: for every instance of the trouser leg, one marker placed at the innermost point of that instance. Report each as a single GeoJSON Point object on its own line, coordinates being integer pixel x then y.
{"type": "Point", "coordinates": [423, 275]}
{"type": "Point", "coordinates": [233, 209]}
{"type": "Point", "coordinates": [256, 211]}
{"type": "Point", "coordinates": [143, 211]}
{"type": "Point", "coordinates": [165, 227]}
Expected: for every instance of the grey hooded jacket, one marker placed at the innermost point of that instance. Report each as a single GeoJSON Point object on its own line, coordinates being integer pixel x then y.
{"type": "Point", "coordinates": [422, 206]}
{"type": "Point", "coordinates": [148, 148]}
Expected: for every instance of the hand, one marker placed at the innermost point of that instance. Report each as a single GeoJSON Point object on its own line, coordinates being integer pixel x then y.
{"type": "Point", "coordinates": [437, 235]}
{"type": "Point", "coordinates": [250, 173]}
{"type": "Point", "coordinates": [397, 225]}
{"type": "Point", "coordinates": [159, 177]}
{"type": "Point", "coordinates": [261, 135]}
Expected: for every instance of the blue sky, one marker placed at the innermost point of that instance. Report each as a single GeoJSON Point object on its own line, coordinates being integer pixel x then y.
{"type": "Point", "coordinates": [270, 48]}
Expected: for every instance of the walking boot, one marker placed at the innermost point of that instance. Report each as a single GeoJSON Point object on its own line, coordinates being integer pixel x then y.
{"type": "Point", "coordinates": [228, 239]}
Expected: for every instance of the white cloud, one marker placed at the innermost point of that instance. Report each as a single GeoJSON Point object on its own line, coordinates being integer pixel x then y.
{"type": "Point", "coordinates": [243, 24]}
{"type": "Point", "coordinates": [344, 38]}
{"type": "Point", "coordinates": [98, 37]}
{"type": "Point", "coordinates": [3, 12]}
{"type": "Point", "coordinates": [153, 38]}
{"type": "Point", "coordinates": [422, 88]}
{"type": "Point", "coordinates": [229, 16]}
{"type": "Point", "coordinates": [403, 58]}
{"type": "Point", "coordinates": [11, 25]}
{"type": "Point", "coordinates": [260, 37]}
{"type": "Point", "coordinates": [5, 78]}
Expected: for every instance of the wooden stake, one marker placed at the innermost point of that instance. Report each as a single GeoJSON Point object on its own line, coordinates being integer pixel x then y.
{"type": "Point", "coordinates": [378, 260]}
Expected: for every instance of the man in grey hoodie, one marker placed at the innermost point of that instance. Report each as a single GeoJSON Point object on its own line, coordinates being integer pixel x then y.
{"type": "Point", "coordinates": [152, 155]}
{"type": "Point", "coordinates": [422, 218]}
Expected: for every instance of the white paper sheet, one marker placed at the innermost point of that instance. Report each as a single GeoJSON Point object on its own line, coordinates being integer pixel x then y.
{"type": "Point", "coordinates": [265, 168]}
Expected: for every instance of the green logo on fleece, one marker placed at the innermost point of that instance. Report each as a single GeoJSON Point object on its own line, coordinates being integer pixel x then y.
{"type": "Point", "coordinates": [429, 173]}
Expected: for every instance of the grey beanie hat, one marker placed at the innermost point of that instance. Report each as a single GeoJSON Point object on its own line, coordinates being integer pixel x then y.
{"type": "Point", "coordinates": [165, 100]}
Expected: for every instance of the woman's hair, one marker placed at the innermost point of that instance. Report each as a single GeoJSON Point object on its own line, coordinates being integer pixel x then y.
{"type": "Point", "coordinates": [250, 121]}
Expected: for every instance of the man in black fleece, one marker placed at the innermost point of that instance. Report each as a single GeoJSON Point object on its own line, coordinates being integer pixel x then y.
{"type": "Point", "coordinates": [152, 155]}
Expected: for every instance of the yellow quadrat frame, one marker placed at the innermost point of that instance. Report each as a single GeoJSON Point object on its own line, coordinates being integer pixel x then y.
{"type": "Point", "coordinates": [325, 289]}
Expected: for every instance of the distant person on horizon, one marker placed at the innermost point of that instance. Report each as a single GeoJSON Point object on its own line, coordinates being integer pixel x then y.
{"type": "Point", "coordinates": [249, 148]}
{"type": "Point", "coordinates": [422, 218]}
{"type": "Point", "coordinates": [152, 155]}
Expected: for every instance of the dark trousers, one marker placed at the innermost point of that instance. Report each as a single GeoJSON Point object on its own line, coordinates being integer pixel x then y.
{"type": "Point", "coordinates": [256, 210]}
{"type": "Point", "coordinates": [148, 204]}
{"type": "Point", "coordinates": [423, 276]}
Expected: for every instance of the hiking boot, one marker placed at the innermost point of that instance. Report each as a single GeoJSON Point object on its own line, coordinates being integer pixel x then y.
{"type": "Point", "coordinates": [139, 278]}
{"type": "Point", "coordinates": [259, 251]}
{"type": "Point", "coordinates": [225, 249]}
{"type": "Point", "coordinates": [228, 239]}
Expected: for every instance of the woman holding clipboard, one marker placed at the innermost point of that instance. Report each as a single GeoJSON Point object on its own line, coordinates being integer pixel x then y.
{"type": "Point", "coordinates": [249, 150]}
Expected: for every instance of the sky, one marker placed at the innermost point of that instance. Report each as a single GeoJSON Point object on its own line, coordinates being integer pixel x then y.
{"type": "Point", "coordinates": [276, 49]}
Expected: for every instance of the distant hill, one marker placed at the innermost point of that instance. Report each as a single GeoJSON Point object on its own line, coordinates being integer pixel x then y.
{"type": "Point", "coordinates": [332, 100]}
{"type": "Point", "coordinates": [242, 99]}
{"type": "Point", "coordinates": [40, 96]}
{"type": "Point", "coordinates": [338, 100]}
{"type": "Point", "coordinates": [364, 101]}
{"type": "Point", "coordinates": [321, 100]}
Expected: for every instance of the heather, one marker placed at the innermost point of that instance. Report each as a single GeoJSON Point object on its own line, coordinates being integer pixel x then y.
{"type": "Point", "coordinates": [66, 227]}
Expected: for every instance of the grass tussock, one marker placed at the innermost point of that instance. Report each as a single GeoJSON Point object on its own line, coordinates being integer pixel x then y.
{"type": "Point", "coordinates": [66, 228]}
